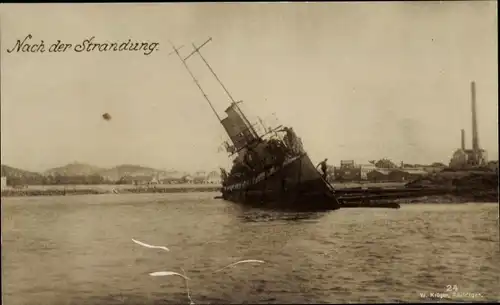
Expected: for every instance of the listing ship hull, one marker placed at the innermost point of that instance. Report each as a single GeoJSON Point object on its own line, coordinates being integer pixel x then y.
{"type": "Point", "coordinates": [269, 170]}
{"type": "Point", "coordinates": [294, 186]}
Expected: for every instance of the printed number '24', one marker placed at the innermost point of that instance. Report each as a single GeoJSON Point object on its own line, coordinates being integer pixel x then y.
{"type": "Point", "coordinates": [450, 288]}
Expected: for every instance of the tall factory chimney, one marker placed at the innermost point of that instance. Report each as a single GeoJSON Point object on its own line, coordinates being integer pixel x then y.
{"type": "Point", "coordinates": [463, 139]}
{"type": "Point", "coordinates": [475, 138]}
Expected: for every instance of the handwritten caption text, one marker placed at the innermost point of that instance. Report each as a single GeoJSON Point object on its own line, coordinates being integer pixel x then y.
{"type": "Point", "coordinates": [30, 45]}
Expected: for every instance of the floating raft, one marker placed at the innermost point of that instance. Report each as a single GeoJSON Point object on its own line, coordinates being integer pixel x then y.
{"type": "Point", "coordinates": [349, 195]}
{"type": "Point", "coordinates": [374, 197]}
{"type": "Point", "coordinates": [378, 197]}
{"type": "Point", "coordinates": [389, 205]}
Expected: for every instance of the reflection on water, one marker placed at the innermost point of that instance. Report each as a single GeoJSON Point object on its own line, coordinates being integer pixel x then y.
{"type": "Point", "coordinates": [79, 250]}
{"type": "Point", "coordinates": [266, 216]}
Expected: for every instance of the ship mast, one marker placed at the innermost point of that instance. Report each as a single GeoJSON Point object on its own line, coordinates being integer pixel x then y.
{"type": "Point", "coordinates": [176, 50]}
{"type": "Point", "coordinates": [197, 50]}
{"type": "Point", "coordinates": [233, 102]}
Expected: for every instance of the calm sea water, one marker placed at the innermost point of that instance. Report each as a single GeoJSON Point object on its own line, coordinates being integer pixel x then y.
{"type": "Point", "coordinates": [79, 250]}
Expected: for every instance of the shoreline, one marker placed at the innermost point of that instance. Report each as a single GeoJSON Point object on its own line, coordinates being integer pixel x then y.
{"type": "Point", "coordinates": [75, 190]}
{"type": "Point", "coordinates": [57, 190]}
{"type": "Point", "coordinates": [67, 190]}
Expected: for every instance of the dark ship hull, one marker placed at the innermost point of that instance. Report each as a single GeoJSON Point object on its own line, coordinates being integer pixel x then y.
{"type": "Point", "coordinates": [270, 168]}
{"type": "Point", "coordinates": [296, 185]}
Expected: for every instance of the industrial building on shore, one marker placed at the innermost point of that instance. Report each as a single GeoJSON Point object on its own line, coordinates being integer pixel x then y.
{"type": "Point", "coordinates": [470, 158]}
{"type": "Point", "coordinates": [462, 159]}
{"type": "Point", "coordinates": [348, 171]}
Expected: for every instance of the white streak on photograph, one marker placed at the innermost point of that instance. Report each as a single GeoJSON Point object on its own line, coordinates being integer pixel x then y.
{"type": "Point", "coordinates": [167, 273]}
{"type": "Point", "coordinates": [150, 246]}
{"type": "Point", "coordinates": [241, 262]}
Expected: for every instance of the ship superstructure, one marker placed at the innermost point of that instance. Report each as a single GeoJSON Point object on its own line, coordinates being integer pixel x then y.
{"type": "Point", "coordinates": [270, 169]}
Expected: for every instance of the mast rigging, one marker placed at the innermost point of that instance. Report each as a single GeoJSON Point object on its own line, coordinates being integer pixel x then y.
{"type": "Point", "coordinates": [234, 104]}
{"type": "Point", "coordinates": [176, 50]}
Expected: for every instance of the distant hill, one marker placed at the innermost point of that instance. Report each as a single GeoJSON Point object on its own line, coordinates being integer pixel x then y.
{"type": "Point", "coordinates": [74, 169]}
{"type": "Point", "coordinates": [119, 171]}
{"type": "Point", "coordinates": [16, 176]}
{"type": "Point", "coordinates": [114, 173]}
{"type": "Point", "coordinates": [110, 174]}
{"type": "Point", "coordinates": [173, 174]}
{"type": "Point", "coordinates": [12, 172]}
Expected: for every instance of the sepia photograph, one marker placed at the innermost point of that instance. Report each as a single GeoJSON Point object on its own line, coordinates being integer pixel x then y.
{"type": "Point", "coordinates": [249, 153]}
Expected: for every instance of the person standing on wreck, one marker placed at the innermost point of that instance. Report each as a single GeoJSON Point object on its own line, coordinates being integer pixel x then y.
{"type": "Point", "coordinates": [290, 139]}
{"type": "Point", "coordinates": [324, 168]}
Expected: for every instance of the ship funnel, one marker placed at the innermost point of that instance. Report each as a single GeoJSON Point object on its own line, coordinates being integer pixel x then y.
{"type": "Point", "coordinates": [475, 138]}
{"type": "Point", "coordinates": [463, 139]}
{"type": "Point", "coordinates": [237, 127]}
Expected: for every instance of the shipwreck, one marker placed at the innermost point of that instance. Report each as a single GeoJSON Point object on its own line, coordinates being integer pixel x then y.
{"type": "Point", "coordinates": [272, 170]}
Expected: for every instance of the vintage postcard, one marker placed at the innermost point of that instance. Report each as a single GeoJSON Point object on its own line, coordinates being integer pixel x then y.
{"type": "Point", "coordinates": [230, 153]}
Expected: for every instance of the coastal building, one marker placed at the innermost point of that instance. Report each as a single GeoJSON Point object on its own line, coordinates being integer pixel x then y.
{"type": "Point", "coordinates": [365, 169]}
{"type": "Point", "coordinates": [171, 180]}
{"type": "Point", "coordinates": [378, 175]}
{"type": "Point", "coordinates": [138, 180]}
{"type": "Point", "coordinates": [172, 177]}
{"type": "Point", "coordinates": [213, 178]}
{"type": "Point", "coordinates": [187, 179]}
{"type": "Point", "coordinates": [348, 171]}
{"type": "Point", "coordinates": [401, 175]}
{"type": "Point", "coordinates": [199, 179]}
{"type": "Point", "coordinates": [3, 182]}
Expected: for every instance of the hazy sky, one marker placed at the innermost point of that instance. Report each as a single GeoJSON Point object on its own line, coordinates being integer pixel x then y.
{"type": "Point", "coordinates": [357, 81]}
